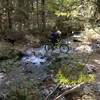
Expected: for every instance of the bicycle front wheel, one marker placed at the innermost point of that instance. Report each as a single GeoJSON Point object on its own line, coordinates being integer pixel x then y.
{"type": "Point", "coordinates": [48, 47]}
{"type": "Point", "coordinates": [64, 48]}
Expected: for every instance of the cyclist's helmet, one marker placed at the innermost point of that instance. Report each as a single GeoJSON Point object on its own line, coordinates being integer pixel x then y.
{"type": "Point", "coordinates": [58, 32]}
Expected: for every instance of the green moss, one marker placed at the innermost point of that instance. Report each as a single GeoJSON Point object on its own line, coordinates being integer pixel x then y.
{"type": "Point", "coordinates": [74, 75]}
{"type": "Point", "coordinates": [9, 65]}
{"type": "Point", "coordinates": [27, 90]}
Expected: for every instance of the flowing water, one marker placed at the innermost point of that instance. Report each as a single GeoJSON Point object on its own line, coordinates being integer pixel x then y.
{"type": "Point", "coordinates": [37, 59]}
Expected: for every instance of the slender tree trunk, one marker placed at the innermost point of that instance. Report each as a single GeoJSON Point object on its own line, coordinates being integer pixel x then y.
{"type": "Point", "coordinates": [9, 16]}
{"type": "Point", "coordinates": [1, 10]}
{"type": "Point", "coordinates": [37, 6]}
{"type": "Point", "coordinates": [1, 30]}
{"type": "Point", "coordinates": [43, 15]}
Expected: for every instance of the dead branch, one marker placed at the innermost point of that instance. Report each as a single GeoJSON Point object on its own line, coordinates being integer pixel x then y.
{"type": "Point", "coordinates": [52, 92]}
{"type": "Point", "coordinates": [68, 91]}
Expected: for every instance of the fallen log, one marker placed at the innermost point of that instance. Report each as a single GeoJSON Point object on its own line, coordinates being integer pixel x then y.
{"type": "Point", "coordinates": [68, 91]}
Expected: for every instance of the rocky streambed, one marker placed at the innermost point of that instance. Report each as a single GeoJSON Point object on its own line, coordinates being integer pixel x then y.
{"type": "Point", "coordinates": [35, 66]}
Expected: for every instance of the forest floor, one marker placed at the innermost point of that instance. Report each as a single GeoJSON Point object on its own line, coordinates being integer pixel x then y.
{"type": "Point", "coordinates": [94, 60]}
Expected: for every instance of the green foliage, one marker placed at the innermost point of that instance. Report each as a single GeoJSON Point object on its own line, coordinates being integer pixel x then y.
{"type": "Point", "coordinates": [26, 14]}
{"type": "Point", "coordinates": [62, 7]}
{"type": "Point", "coordinates": [66, 13]}
{"type": "Point", "coordinates": [55, 64]}
{"type": "Point", "coordinates": [27, 90]}
{"type": "Point", "coordinates": [9, 65]}
{"type": "Point", "coordinates": [9, 57]}
{"type": "Point", "coordinates": [74, 75]}
{"type": "Point", "coordinates": [7, 52]}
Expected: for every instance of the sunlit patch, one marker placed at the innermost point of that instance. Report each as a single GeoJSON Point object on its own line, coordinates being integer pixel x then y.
{"type": "Point", "coordinates": [90, 68]}
{"type": "Point", "coordinates": [35, 60]}
{"type": "Point", "coordinates": [84, 48]}
{"type": "Point", "coordinates": [1, 77]}
{"type": "Point", "coordinates": [97, 61]}
{"type": "Point", "coordinates": [35, 56]}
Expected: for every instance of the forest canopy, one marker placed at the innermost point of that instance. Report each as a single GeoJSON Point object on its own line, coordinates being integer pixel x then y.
{"type": "Point", "coordinates": [42, 15]}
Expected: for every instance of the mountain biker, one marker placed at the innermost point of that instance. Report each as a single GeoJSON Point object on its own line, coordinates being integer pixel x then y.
{"type": "Point", "coordinates": [55, 36]}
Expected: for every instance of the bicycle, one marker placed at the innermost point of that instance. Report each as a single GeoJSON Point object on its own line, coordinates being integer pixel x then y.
{"type": "Point", "coordinates": [64, 47]}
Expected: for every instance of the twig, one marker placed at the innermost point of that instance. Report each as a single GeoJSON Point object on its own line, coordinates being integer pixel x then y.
{"type": "Point", "coordinates": [68, 91]}
{"type": "Point", "coordinates": [52, 92]}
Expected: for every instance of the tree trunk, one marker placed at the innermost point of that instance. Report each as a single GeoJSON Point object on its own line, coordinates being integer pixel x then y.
{"type": "Point", "coordinates": [9, 16]}
{"type": "Point", "coordinates": [1, 30]}
{"type": "Point", "coordinates": [43, 15]}
{"type": "Point", "coordinates": [37, 6]}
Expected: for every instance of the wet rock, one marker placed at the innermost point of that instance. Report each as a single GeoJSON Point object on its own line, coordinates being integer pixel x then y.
{"type": "Point", "coordinates": [97, 87]}
{"type": "Point", "coordinates": [27, 67]}
{"type": "Point", "coordinates": [88, 97]}
{"type": "Point", "coordinates": [77, 37]}
{"type": "Point", "coordinates": [87, 90]}
{"type": "Point", "coordinates": [2, 75]}
{"type": "Point", "coordinates": [90, 68]}
{"type": "Point", "coordinates": [40, 51]}
{"type": "Point", "coordinates": [84, 49]}
{"type": "Point", "coordinates": [39, 72]}
{"type": "Point", "coordinates": [28, 52]}
{"type": "Point", "coordinates": [46, 91]}
{"type": "Point", "coordinates": [34, 60]}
